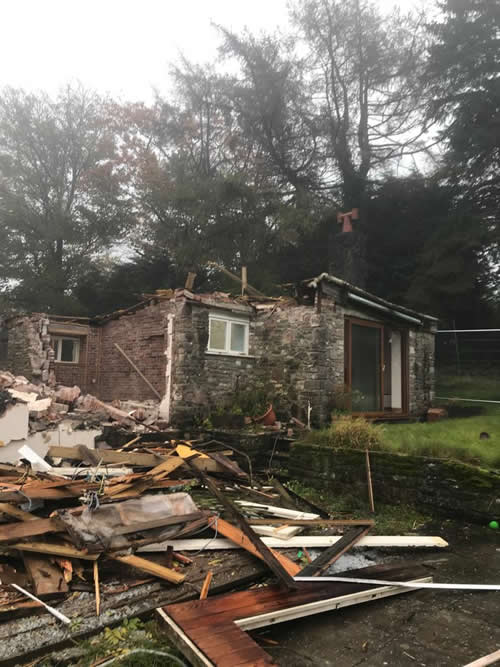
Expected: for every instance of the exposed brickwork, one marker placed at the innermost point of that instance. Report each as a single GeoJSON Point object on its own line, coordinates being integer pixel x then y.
{"type": "Point", "coordinates": [298, 348]}
{"type": "Point", "coordinates": [142, 336]}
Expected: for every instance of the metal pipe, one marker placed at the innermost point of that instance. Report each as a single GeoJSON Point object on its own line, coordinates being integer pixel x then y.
{"type": "Point", "coordinates": [379, 306]}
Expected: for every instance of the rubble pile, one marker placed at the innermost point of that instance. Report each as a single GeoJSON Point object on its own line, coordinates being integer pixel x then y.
{"type": "Point", "coordinates": [95, 529]}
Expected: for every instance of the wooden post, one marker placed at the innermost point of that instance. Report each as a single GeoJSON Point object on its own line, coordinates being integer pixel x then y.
{"type": "Point", "coordinates": [189, 284]}
{"type": "Point", "coordinates": [139, 373]}
{"type": "Point", "coordinates": [369, 480]}
{"type": "Point", "coordinates": [97, 589]}
{"type": "Point", "coordinates": [244, 281]}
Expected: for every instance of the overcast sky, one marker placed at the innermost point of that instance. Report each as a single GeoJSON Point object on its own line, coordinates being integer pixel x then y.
{"type": "Point", "coordinates": [121, 46]}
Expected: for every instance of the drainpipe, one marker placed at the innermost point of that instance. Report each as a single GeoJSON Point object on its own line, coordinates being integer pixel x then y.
{"type": "Point", "coordinates": [165, 405]}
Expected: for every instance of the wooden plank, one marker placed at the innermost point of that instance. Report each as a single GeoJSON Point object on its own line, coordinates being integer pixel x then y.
{"type": "Point", "coordinates": [208, 625]}
{"type": "Point", "coordinates": [277, 511]}
{"type": "Point", "coordinates": [91, 457]}
{"type": "Point", "coordinates": [267, 555]}
{"type": "Point", "coordinates": [158, 523]}
{"type": "Point", "coordinates": [47, 578]}
{"type": "Point", "coordinates": [312, 522]}
{"type": "Point", "coordinates": [206, 585]}
{"type": "Point", "coordinates": [314, 541]}
{"type": "Point", "coordinates": [16, 512]}
{"type": "Point", "coordinates": [183, 642]}
{"type": "Point", "coordinates": [97, 589]}
{"type": "Point", "coordinates": [239, 538]}
{"type": "Point", "coordinates": [333, 553]}
{"type": "Point", "coordinates": [151, 568]}
{"type": "Point", "coordinates": [485, 660]}
{"type": "Point", "coordinates": [20, 529]}
{"type": "Point", "coordinates": [330, 604]}
{"type": "Point", "coordinates": [109, 456]}
{"type": "Point", "coordinates": [148, 479]}
{"type": "Point", "coordinates": [286, 498]}
{"type": "Point", "coordinates": [63, 550]}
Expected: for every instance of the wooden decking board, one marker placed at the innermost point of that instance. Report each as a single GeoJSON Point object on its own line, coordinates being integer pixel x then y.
{"type": "Point", "coordinates": [210, 623]}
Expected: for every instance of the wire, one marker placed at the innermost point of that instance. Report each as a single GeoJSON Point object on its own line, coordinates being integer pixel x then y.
{"type": "Point", "coordinates": [212, 538]}
{"type": "Point", "coordinates": [164, 654]}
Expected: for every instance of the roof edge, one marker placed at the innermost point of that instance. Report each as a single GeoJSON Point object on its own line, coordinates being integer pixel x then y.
{"type": "Point", "coordinates": [314, 282]}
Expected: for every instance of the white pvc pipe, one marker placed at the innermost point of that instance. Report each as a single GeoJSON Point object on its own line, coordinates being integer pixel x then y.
{"type": "Point", "coordinates": [404, 584]}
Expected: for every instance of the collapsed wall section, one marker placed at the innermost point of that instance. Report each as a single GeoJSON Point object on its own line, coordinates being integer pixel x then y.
{"type": "Point", "coordinates": [29, 352]}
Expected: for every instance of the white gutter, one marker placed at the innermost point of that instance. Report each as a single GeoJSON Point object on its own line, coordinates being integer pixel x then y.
{"type": "Point", "coordinates": [385, 309]}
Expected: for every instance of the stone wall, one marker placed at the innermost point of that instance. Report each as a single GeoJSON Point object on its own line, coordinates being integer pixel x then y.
{"type": "Point", "coordinates": [201, 381]}
{"type": "Point", "coordinates": [446, 487]}
{"type": "Point", "coordinates": [29, 352]}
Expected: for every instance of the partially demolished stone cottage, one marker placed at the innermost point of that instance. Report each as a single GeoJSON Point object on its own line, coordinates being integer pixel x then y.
{"type": "Point", "coordinates": [330, 345]}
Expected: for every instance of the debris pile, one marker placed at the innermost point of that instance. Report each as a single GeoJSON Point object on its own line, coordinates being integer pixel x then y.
{"type": "Point", "coordinates": [83, 527]}
{"type": "Point", "coordinates": [152, 522]}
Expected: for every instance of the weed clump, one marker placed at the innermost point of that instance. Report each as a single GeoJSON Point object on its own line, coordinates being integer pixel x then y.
{"type": "Point", "coordinates": [349, 433]}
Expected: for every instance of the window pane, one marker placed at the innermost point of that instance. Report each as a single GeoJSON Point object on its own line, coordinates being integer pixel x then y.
{"type": "Point", "coordinates": [67, 349]}
{"type": "Point", "coordinates": [217, 335]}
{"type": "Point", "coordinates": [238, 337]}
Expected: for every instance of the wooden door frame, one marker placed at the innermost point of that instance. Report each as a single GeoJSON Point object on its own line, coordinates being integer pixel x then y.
{"type": "Point", "coordinates": [405, 390]}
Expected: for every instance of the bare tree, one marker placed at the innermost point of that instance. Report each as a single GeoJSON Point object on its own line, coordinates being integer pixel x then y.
{"type": "Point", "coordinates": [364, 74]}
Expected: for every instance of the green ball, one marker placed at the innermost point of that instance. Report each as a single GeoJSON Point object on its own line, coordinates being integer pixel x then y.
{"type": "Point", "coordinates": [494, 525]}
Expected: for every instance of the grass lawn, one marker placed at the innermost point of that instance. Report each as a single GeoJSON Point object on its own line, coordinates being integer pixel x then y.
{"type": "Point", "coordinates": [456, 437]}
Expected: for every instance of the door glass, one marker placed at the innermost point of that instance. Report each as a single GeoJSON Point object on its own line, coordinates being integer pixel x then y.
{"type": "Point", "coordinates": [365, 366]}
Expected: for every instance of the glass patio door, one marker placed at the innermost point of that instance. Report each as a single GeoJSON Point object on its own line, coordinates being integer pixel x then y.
{"type": "Point", "coordinates": [366, 363]}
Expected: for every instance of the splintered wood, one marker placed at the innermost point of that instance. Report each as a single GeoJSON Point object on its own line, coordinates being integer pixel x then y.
{"type": "Point", "coordinates": [81, 525]}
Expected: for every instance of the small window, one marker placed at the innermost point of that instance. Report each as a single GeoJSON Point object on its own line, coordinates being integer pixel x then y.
{"type": "Point", "coordinates": [228, 335]}
{"type": "Point", "coordinates": [67, 350]}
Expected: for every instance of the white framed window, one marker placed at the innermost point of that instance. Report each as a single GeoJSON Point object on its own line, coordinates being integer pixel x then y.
{"type": "Point", "coordinates": [66, 350]}
{"type": "Point", "coordinates": [228, 335]}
